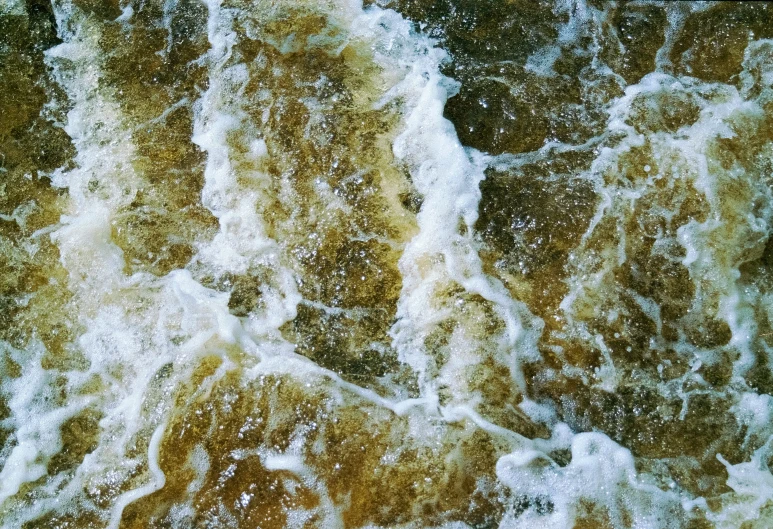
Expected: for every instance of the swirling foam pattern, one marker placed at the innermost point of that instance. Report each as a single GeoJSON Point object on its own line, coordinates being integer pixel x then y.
{"type": "Point", "coordinates": [413, 263]}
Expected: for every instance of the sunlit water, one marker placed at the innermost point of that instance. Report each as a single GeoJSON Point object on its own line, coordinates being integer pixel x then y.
{"type": "Point", "coordinates": [314, 264]}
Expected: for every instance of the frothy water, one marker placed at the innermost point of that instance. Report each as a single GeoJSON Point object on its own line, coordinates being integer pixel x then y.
{"type": "Point", "coordinates": [404, 264]}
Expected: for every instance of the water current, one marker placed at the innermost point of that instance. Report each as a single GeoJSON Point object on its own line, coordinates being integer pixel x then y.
{"type": "Point", "coordinates": [408, 263]}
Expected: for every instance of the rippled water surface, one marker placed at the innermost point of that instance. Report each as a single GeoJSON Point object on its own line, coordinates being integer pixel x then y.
{"type": "Point", "coordinates": [413, 263]}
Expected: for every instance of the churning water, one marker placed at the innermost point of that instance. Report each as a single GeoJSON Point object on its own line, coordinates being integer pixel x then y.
{"type": "Point", "coordinates": [414, 263]}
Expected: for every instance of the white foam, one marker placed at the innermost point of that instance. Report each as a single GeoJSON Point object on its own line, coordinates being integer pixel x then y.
{"type": "Point", "coordinates": [141, 336]}
{"type": "Point", "coordinates": [447, 176]}
{"type": "Point", "coordinates": [157, 482]}
{"type": "Point", "coordinates": [12, 7]}
{"type": "Point", "coordinates": [752, 483]}
{"type": "Point", "coordinates": [242, 241]}
{"type": "Point", "coordinates": [130, 326]}
{"type": "Point", "coordinates": [541, 62]}
{"type": "Point", "coordinates": [600, 471]}
{"type": "Point", "coordinates": [35, 417]}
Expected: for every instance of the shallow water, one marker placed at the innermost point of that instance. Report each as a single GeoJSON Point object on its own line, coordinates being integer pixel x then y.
{"type": "Point", "coordinates": [459, 264]}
